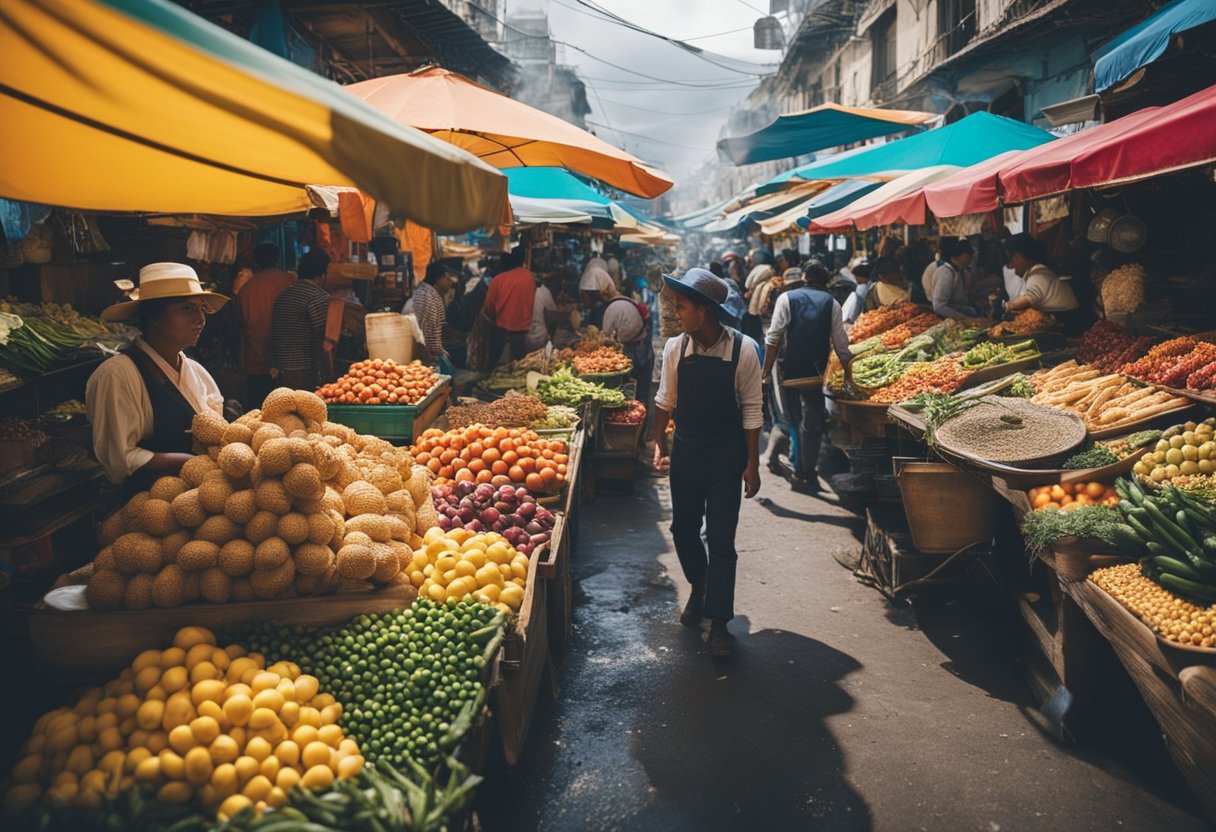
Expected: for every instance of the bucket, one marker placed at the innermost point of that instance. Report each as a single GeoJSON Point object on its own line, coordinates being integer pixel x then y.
{"type": "Point", "coordinates": [947, 509]}
{"type": "Point", "coordinates": [390, 335]}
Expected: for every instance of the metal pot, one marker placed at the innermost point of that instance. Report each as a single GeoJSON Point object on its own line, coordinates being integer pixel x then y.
{"type": "Point", "coordinates": [1127, 234]}
{"type": "Point", "coordinates": [1099, 226]}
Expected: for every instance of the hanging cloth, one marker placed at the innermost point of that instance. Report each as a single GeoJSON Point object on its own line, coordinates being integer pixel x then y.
{"type": "Point", "coordinates": [355, 213]}
{"type": "Point", "coordinates": [420, 243]}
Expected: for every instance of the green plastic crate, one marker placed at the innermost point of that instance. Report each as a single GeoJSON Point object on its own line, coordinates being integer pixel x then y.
{"type": "Point", "coordinates": [392, 422]}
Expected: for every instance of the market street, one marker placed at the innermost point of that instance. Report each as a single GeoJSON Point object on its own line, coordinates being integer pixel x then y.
{"type": "Point", "coordinates": [837, 711]}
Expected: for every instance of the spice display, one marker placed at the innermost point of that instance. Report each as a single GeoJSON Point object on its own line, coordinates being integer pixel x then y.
{"type": "Point", "coordinates": [1122, 290]}
{"type": "Point", "coordinates": [603, 361]}
{"type": "Point", "coordinates": [1178, 532]}
{"type": "Point", "coordinates": [633, 413]}
{"type": "Point", "coordinates": [1173, 362]}
{"type": "Point", "coordinates": [1132, 442]}
{"type": "Point", "coordinates": [265, 515]}
{"type": "Point", "coordinates": [1108, 346]}
{"type": "Point", "coordinates": [941, 376]}
{"type": "Point", "coordinates": [381, 381]}
{"type": "Point", "coordinates": [1010, 431]}
{"type": "Point", "coordinates": [557, 416]}
{"type": "Point", "coordinates": [407, 682]}
{"type": "Point", "coordinates": [1170, 616]}
{"type": "Point", "coordinates": [508, 412]}
{"type": "Point", "coordinates": [936, 408]}
{"type": "Point", "coordinates": [1023, 323]}
{"type": "Point", "coordinates": [507, 510]}
{"type": "Point", "coordinates": [1042, 528]}
{"type": "Point", "coordinates": [1070, 496]}
{"type": "Point", "coordinates": [1186, 449]}
{"type": "Point", "coordinates": [990, 354]}
{"type": "Point", "coordinates": [196, 724]}
{"type": "Point", "coordinates": [1096, 457]}
{"type": "Point", "coordinates": [1102, 401]}
{"type": "Point", "coordinates": [1203, 378]}
{"type": "Point", "coordinates": [898, 336]}
{"type": "Point", "coordinates": [879, 320]}
{"type": "Point", "coordinates": [563, 387]}
{"type": "Point", "coordinates": [498, 456]}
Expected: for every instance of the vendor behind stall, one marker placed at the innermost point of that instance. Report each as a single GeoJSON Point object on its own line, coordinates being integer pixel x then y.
{"type": "Point", "coordinates": [141, 403]}
{"type": "Point", "coordinates": [625, 323]}
{"type": "Point", "coordinates": [889, 286]}
{"type": "Point", "coordinates": [949, 288]}
{"type": "Point", "coordinates": [1044, 291]}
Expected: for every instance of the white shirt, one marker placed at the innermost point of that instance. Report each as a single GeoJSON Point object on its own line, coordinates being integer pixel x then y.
{"type": "Point", "coordinates": [1015, 284]}
{"type": "Point", "coordinates": [623, 322]}
{"type": "Point", "coordinates": [748, 390]}
{"type": "Point", "coordinates": [121, 412]}
{"type": "Point", "coordinates": [781, 322]}
{"type": "Point", "coordinates": [1047, 292]}
{"type": "Point", "coordinates": [595, 276]}
{"type": "Point", "coordinates": [538, 333]}
{"type": "Point", "coordinates": [926, 279]}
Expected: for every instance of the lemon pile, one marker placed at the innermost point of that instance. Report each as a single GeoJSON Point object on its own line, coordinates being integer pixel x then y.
{"type": "Point", "coordinates": [193, 723]}
{"type": "Point", "coordinates": [462, 564]}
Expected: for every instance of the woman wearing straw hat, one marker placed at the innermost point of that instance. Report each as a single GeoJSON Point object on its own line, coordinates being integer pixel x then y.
{"type": "Point", "coordinates": [711, 379]}
{"type": "Point", "coordinates": [141, 402]}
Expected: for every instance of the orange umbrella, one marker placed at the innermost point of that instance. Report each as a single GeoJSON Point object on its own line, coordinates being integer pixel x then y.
{"type": "Point", "coordinates": [503, 132]}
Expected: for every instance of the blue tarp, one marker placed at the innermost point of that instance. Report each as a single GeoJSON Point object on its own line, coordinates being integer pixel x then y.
{"type": "Point", "coordinates": [829, 125]}
{"type": "Point", "coordinates": [1147, 40]}
{"type": "Point", "coordinates": [973, 139]}
{"type": "Point", "coordinates": [837, 197]}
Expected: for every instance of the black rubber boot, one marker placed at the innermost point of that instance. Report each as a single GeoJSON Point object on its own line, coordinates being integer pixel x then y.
{"type": "Point", "coordinates": [721, 642]}
{"type": "Point", "coordinates": [694, 610]}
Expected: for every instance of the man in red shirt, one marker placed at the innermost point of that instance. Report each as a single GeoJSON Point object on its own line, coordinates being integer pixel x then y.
{"type": "Point", "coordinates": [255, 306]}
{"type": "Point", "coordinates": [508, 306]}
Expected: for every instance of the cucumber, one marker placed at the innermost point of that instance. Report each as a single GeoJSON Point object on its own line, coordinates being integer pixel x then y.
{"type": "Point", "coordinates": [1155, 548]}
{"type": "Point", "coordinates": [1209, 544]}
{"type": "Point", "coordinates": [1199, 520]}
{"type": "Point", "coordinates": [1134, 493]}
{"type": "Point", "coordinates": [1137, 525]}
{"type": "Point", "coordinates": [1173, 566]}
{"type": "Point", "coordinates": [1184, 523]}
{"type": "Point", "coordinates": [1125, 538]}
{"type": "Point", "coordinates": [1169, 529]}
{"type": "Point", "coordinates": [1121, 489]}
{"type": "Point", "coordinates": [1194, 589]}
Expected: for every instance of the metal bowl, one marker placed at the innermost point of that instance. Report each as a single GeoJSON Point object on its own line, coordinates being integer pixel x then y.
{"type": "Point", "coordinates": [1127, 234]}
{"type": "Point", "coordinates": [1099, 226]}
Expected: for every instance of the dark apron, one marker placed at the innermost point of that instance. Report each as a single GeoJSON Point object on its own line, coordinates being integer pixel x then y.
{"type": "Point", "coordinates": [172, 421]}
{"type": "Point", "coordinates": [708, 456]}
{"type": "Point", "coordinates": [709, 422]}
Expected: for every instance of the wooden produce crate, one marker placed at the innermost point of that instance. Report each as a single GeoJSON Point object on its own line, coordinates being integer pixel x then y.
{"type": "Point", "coordinates": [891, 563]}
{"type": "Point", "coordinates": [555, 570]}
{"type": "Point", "coordinates": [620, 438]}
{"type": "Point", "coordinates": [81, 643]}
{"type": "Point", "coordinates": [523, 663]}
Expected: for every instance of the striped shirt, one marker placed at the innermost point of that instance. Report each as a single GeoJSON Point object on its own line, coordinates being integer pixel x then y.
{"type": "Point", "coordinates": [431, 315]}
{"type": "Point", "coordinates": [297, 328]}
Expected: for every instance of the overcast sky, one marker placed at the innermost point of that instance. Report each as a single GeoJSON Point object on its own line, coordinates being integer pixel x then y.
{"type": "Point", "coordinates": [664, 121]}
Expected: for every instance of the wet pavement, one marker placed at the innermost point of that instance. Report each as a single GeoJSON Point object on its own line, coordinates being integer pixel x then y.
{"type": "Point", "coordinates": [839, 711]}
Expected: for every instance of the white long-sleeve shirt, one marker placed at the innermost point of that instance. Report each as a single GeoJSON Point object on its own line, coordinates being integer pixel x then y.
{"type": "Point", "coordinates": [748, 389]}
{"type": "Point", "coordinates": [120, 411]}
{"type": "Point", "coordinates": [781, 323]}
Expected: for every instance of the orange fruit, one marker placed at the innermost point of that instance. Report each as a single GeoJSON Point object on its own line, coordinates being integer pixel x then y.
{"type": "Point", "coordinates": [527, 465]}
{"type": "Point", "coordinates": [510, 457]}
{"type": "Point", "coordinates": [491, 455]}
{"type": "Point", "coordinates": [484, 476]}
{"type": "Point", "coordinates": [500, 468]}
{"type": "Point", "coordinates": [465, 475]}
{"type": "Point", "coordinates": [548, 475]}
{"type": "Point", "coordinates": [476, 465]}
{"type": "Point", "coordinates": [516, 474]}
{"type": "Point", "coordinates": [499, 480]}
{"type": "Point", "coordinates": [534, 482]}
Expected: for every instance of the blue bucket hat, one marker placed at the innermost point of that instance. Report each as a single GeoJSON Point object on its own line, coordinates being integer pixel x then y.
{"type": "Point", "coordinates": [708, 289]}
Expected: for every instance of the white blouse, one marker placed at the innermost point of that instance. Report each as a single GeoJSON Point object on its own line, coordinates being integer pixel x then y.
{"type": "Point", "coordinates": [120, 411]}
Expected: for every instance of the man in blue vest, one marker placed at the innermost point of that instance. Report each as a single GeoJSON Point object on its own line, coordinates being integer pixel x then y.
{"type": "Point", "coordinates": [810, 323]}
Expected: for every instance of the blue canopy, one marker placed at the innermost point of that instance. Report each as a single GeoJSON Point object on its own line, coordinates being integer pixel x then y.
{"type": "Point", "coordinates": [551, 183]}
{"type": "Point", "coordinates": [1147, 40]}
{"type": "Point", "coordinates": [828, 125]}
{"type": "Point", "coordinates": [973, 139]}
{"type": "Point", "coordinates": [837, 197]}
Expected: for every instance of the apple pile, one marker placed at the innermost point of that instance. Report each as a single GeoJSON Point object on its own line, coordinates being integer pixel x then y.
{"type": "Point", "coordinates": [508, 510]}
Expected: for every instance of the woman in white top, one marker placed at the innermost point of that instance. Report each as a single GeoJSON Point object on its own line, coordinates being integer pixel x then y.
{"type": "Point", "coordinates": [1044, 290]}
{"type": "Point", "coordinates": [141, 403]}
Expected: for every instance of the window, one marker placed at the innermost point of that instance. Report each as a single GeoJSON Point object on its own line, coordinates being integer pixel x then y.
{"type": "Point", "coordinates": [956, 23]}
{"type": "Point", "coordinates": [882, 48]}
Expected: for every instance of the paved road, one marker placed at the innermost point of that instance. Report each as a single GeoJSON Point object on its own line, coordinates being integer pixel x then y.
{"type": "Point", "coordinates": [838, 712]}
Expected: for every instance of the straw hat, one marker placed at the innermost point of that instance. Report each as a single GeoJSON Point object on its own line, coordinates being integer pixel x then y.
{"type": "Point", "coordinates": [710, 290]}
{"type": "Point", "coordinates": [163, 280]}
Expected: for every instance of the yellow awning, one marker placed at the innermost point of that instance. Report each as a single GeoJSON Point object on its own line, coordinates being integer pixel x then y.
{"type": "Point", "coordinates": [139, 105]}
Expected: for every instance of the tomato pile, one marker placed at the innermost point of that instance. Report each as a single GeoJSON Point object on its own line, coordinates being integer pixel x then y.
{"type": "Point", "coordinates": [381, 381]}
{"type": "Point", "coordinates": [896, 337]}
{"type": "Point", "coordinates": [633, 413]}
{"type": "Point", "coordinates": [498, 456]}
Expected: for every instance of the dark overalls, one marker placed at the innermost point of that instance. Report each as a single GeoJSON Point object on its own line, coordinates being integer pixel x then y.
{"type": "Point", "coordinates": [807, 341]}
{"type": "Point", "coordinates": [708, 455]}
{"type": "Point", "coordinates": [172, 420]}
